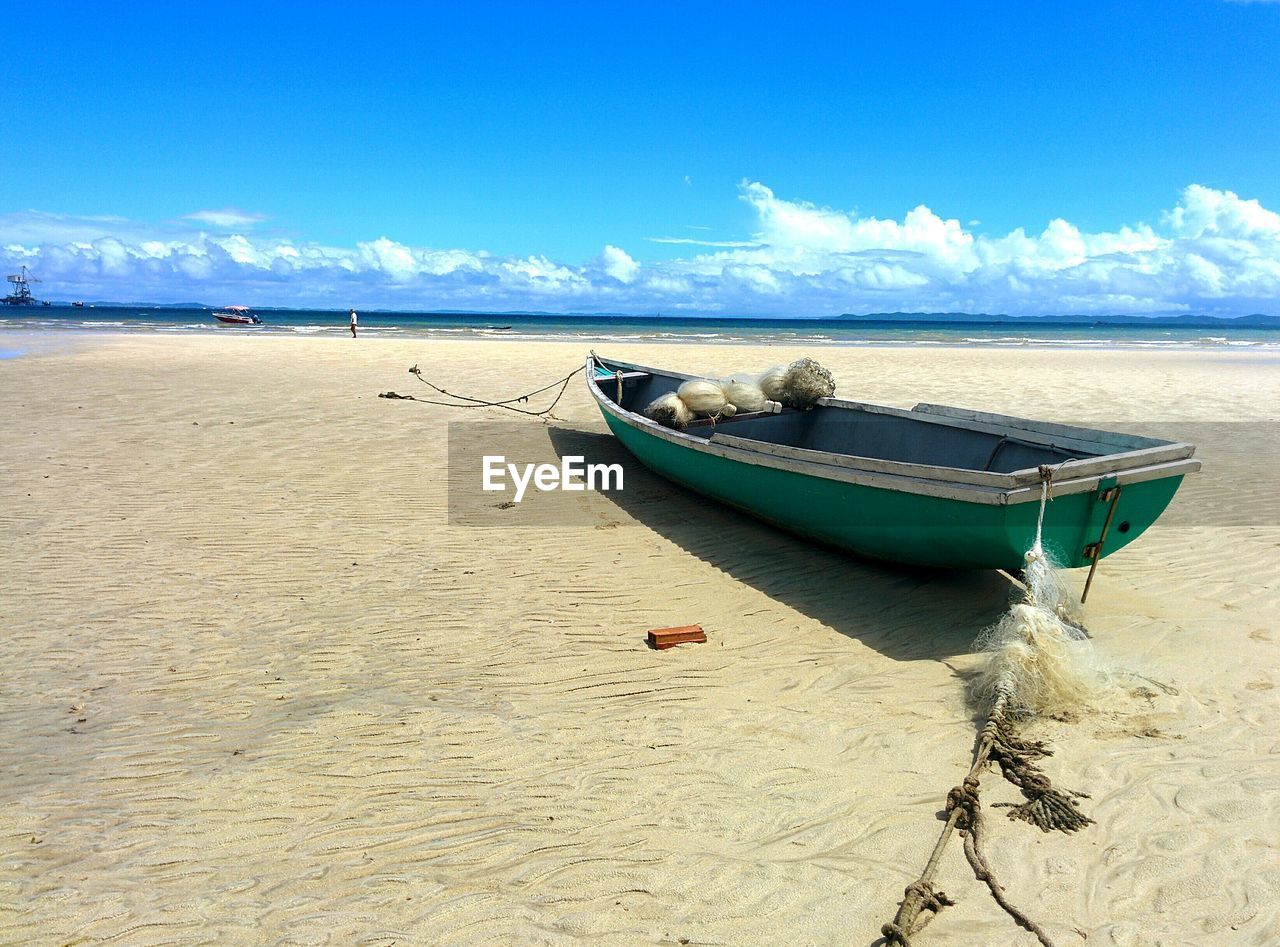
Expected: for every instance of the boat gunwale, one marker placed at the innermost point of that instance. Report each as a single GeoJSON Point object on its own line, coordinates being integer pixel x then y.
{"type": "Point", "coordinates": [1063, 473]}
{"type": "Point", "coordinates": [1160, 460]}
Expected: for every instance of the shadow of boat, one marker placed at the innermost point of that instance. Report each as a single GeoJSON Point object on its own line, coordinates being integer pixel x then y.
{"type": "Point", "coordinates": [907, 614]}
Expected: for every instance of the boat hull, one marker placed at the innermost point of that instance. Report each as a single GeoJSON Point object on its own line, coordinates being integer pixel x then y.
{"type": "Point", "coordinates": [897, 526]}
{"type": "Point", "coordinates": [904, 527]}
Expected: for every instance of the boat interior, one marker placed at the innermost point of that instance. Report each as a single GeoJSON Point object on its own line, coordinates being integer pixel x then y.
{"type": "Point", "coordinates": [926, 435]}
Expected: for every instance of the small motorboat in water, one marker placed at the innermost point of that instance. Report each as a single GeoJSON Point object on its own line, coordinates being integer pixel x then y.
{"type": "Point", "coordinates": [237, 316]}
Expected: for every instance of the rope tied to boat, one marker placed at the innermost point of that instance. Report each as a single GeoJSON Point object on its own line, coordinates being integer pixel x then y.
{"type": "Point", "coordinates": [509, 404]}
{"type": "Point", "coordinates": [1046, 807]}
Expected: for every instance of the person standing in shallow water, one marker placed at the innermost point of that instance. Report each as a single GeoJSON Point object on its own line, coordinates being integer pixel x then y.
{"type": "Point", "coordinates": [353, 323]}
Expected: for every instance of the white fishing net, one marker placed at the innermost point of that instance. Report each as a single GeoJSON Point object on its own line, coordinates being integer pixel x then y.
{"type": "Point", "coordinates": [1037, 649]}
{"type": "Point", "coordinates": [772, 381]}
{"type": "Point", "coordinates": [669, 411]}
{"type": "Point", "coordinates": [798, 385]}
{"type": "Point", "coordinates": [743, 393]}
{"type": "Point", "coordinates": [703, 396]}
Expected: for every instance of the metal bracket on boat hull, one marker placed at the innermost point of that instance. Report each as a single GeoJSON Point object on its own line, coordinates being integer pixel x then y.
{"type": "Point", "coordinates": [1094, 550]}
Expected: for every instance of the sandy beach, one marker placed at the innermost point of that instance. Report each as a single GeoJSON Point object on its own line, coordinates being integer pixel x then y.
{"type": "Point", "coordinates": [258, 689]}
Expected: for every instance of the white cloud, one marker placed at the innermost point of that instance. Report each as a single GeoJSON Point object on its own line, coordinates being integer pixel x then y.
{"type": "Point", "coordinates": [1205, 211]}
{"type": "Point", "coordinates": [33, 227]}
{"type": "Point", "coordinates": [227, 219]}
{"type": "Point", "coordinates": [691, 242]}
{"type": "Point", "coordinates": [1213, 251]}
{"type": "Point", "coordinates": [619, 264]}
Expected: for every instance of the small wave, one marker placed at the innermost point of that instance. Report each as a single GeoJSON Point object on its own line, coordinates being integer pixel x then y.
{"type": "Point", "coordinates": [1034, 340]}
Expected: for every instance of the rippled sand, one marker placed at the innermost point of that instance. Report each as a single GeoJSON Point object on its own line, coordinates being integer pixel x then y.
{"type": "Point", "coordinates": [257, 689]}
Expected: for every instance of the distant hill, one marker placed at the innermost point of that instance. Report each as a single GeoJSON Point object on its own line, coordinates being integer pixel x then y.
{"type": "Point", "coordinates": [110, 304]}
{"type": "Point", "coordinates": [1255, 321]}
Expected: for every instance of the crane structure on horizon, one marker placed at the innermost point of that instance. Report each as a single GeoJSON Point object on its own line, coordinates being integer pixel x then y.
{"type": "Point", "coordinates": [21, 295]}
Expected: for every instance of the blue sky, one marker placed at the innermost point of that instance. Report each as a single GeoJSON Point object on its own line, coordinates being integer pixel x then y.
{"type": "Point", "coordinates": [713, 157]}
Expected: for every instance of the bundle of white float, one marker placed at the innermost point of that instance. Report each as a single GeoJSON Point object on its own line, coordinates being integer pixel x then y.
{"type": "Point", "coordinates": [798, 385]}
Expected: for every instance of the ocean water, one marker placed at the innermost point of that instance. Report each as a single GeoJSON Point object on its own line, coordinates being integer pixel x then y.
{"type": "Point", "coordinates": [654, 328]}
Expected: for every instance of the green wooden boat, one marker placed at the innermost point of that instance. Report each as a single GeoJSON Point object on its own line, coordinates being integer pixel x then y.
{"type": "Point", "coordinates": [932, 486]}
